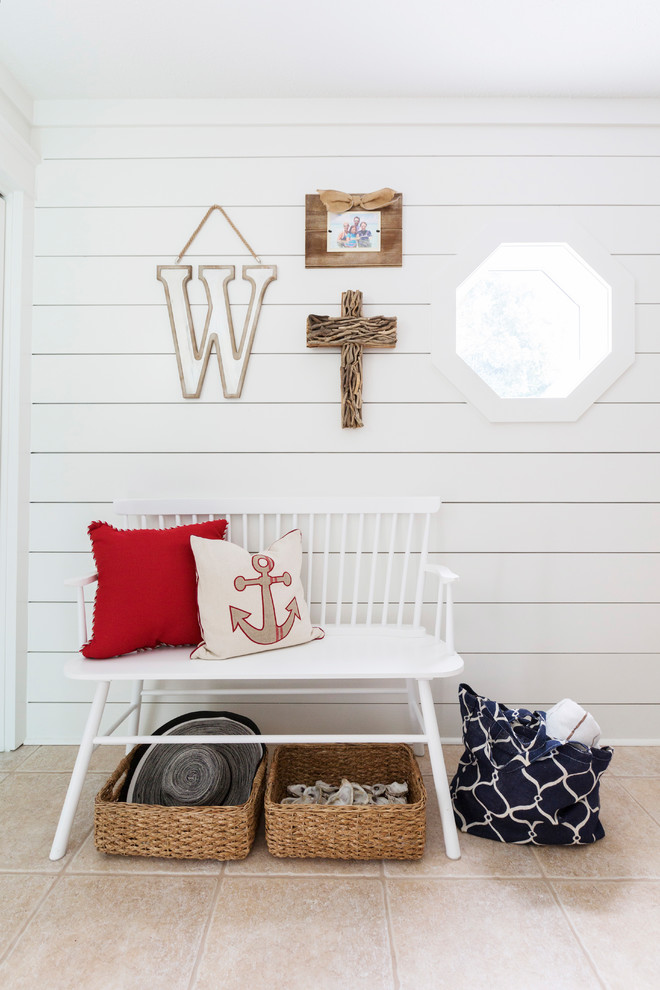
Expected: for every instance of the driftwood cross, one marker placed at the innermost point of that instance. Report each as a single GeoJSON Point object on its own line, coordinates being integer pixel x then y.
{"type": "Point", "coordinates": [352, 332]}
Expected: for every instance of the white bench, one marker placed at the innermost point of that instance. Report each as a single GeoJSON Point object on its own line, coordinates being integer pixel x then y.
{"type": "Point", "coordinates": [365, 565]}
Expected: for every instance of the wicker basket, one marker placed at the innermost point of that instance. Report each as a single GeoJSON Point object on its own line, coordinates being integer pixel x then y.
{"type": "Point", "coordinates": [356, 832]}
{"type": "Point", "coordinates": [204, 832]}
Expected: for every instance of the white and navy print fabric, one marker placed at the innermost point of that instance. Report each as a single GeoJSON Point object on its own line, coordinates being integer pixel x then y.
{"type": "Point", "coordinates": [516, 784]}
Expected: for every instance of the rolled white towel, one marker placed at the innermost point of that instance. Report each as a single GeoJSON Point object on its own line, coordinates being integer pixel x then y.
{"type": "Point", "coordinates": [569, 722]}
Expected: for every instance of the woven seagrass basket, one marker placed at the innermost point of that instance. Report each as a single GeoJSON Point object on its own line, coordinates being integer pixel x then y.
{"type": "Point", "coordinates": [204, 832]}
{"type": "Point", "coordinates": [335, 832]}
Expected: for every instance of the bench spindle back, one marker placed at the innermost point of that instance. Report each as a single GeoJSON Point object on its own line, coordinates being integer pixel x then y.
{"type": "Point", "coordinates": [363, 559]}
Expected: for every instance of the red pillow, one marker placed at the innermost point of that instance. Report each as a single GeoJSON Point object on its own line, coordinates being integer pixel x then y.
{"type": "Point", "coordinates": [147, 590]}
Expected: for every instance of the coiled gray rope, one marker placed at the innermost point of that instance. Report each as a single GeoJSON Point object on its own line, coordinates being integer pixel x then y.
{"type": "Point", "coordinates": [189, 774]}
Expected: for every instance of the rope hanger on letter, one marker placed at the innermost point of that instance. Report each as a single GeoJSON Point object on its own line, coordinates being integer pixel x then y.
{"type": "Point", "coordinates": [231, 224]}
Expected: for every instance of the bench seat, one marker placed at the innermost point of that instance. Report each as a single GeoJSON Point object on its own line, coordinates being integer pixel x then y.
{"type": "Point", "coordinates": [363, 653]}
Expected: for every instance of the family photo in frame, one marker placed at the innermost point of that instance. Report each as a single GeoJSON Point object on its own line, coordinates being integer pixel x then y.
{"type": "Point", "coordinates": [357, 231]}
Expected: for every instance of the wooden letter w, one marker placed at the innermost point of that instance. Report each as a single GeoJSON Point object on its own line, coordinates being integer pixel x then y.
{"type": "Point", "coordinates": [193, 357]}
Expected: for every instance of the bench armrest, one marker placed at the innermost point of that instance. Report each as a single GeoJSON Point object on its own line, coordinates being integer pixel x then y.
{"type": "Point", "coordinates": [444, 574]}
{"type": "Point", "coordinates": [80, 583]}
{"type": "Point", "coordinates": [445, 598]}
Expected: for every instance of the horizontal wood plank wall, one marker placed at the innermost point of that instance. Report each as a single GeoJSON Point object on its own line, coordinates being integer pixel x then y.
{"type": "Point", "coordinates": [554, 528]}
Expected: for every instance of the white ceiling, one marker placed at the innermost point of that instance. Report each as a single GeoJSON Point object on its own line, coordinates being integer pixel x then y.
{"type": "Point", "coordinates": [65, 49]}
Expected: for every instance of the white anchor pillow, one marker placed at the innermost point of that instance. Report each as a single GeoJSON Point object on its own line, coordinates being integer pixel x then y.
{"type": "Point", "coordinates": [249, 602]}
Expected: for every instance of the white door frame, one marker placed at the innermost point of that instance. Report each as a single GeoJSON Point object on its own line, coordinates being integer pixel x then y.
{"type": "Point", "coordinates": [17, 176]}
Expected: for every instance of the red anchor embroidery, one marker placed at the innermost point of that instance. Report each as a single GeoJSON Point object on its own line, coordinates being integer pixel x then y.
{"type": "Point", "coordinates": [270, 632]}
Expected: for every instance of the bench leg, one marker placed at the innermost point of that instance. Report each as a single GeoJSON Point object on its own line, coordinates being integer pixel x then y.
{"type": "Point", "coordinates": [449, 832]}
{"type": "Point", "coordinates": [61, 840]}
{"type": "Point", "coordinates": [133, 726]}
{"type": "Point", "coordinates": [416, 719]}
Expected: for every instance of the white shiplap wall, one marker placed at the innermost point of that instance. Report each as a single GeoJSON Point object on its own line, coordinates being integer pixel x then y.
{"type": "Point", "coordinates": [554, 528]}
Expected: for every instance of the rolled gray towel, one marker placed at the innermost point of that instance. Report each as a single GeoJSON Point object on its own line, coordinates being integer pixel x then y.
{"type": "Point", "coordinates": [189, 774]}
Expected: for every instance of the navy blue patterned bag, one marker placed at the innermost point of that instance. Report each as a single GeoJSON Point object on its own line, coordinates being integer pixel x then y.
{"type": "Point", "coordinates": [515, 784]}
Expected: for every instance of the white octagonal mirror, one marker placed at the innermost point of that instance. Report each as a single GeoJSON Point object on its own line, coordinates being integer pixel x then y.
{"type": "Point", "coordinates": [533, 320]}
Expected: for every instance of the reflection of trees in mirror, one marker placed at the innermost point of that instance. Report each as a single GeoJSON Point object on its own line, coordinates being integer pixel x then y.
{"type": "Point", "coordinates": [518, 331]}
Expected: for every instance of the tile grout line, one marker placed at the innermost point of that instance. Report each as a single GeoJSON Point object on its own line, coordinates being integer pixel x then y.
{"type": "Point", "coordinates": [57, 877]}
{"type": "Point", "coordinates": [635, 799]}
{"type": "Point", "coordinates": [583, 877]}
{"type": "Point", "coordinates": [539, 862]}
{"type": "Point", "coordinates": [137, 874]}
{"type": "Point", "coordinates": [633, 776]}
{"type": "Point", "coordinates": [206, 929]}
{"type": "Point", "coordinates": [20, 764]}
{"type": "Point", "coordinates": [555, 895]}
{"type": "Point", "coordinates": [390, 933]}
{"type": "Point", "coordinates": [284, 875]}
{"type": "Point", "coordinates": [19, 935]}
{"type": "Point", "coordinates": [74, 855]}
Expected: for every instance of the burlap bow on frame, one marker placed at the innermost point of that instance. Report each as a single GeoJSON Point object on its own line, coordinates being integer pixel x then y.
{"type": "Point", "coordinates": [339, 202]}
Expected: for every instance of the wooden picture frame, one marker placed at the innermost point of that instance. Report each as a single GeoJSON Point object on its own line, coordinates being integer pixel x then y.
{"type": "Point", "coordinates": [317, 255]}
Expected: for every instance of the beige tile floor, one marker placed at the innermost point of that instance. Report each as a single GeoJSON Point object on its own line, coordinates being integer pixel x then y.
{"type": "Point", "coordinates": [500, 917]}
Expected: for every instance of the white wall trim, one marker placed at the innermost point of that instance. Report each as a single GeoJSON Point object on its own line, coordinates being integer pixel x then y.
{"type": "Point", "coordinates": [15, 92]}
{"type": "Point", "coordinates": [17, 179]}
{"type": "Point", "coordinates": [16, 106]}
{"type": "Point", "coordinates": [18, 161]}
{"type": "Point", "coordinates": [329, 112]}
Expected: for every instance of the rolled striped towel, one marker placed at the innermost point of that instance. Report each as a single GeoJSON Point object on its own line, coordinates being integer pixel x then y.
{"type": "Point", "coordinates": [569, 722]}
